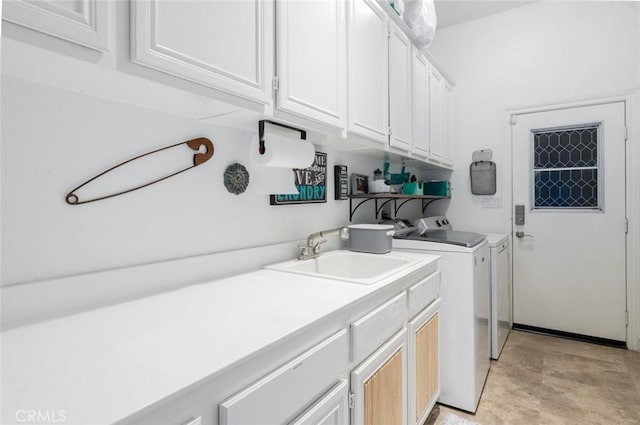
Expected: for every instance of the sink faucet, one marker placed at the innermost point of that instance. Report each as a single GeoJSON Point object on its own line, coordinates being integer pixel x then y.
{"type": "Point", "coordinates": [312, 248]}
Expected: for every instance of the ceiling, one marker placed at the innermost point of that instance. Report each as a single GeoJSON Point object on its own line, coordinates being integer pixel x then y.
{"type": "Point", "coordinates": [453, 12]}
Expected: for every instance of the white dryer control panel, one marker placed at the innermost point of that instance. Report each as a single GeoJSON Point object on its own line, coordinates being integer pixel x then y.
{"type": "Point", "coordinates": [437, 222]}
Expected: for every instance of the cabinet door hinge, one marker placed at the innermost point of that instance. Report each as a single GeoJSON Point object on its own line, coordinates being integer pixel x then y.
{"type": "Point", "coordinates": [626, 133]}
{"type": "Point", "coordinates": [390, 131]}
{"type": "Point", "coordinates": [512, 120]}
{"type": "Point", "coordinates": [626, 318]}
{"type": "Point", "coordinates": [352, 400]}
{"type": "Point", "coordinates": [388, 33]}
{"type": "Point", "coordinates": [626, 225]}
{"type": "Point", "coordinates": [276, 83]}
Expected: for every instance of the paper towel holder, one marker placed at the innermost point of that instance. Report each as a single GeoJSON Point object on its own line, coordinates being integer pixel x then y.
{"type": "Point", "coordinates": [261, 148]}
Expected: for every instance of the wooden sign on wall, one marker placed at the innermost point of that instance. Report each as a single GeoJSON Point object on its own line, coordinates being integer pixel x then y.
{"type": "Point", "coordinates": [311, 183]}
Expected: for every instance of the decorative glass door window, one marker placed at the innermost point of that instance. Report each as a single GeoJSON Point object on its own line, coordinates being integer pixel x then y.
{"type": "Point", "coordinates": [566, 167]}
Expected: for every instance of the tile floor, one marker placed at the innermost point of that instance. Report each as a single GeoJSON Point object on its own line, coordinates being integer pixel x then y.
{"type": "Point", "coordinates": [544, 380]}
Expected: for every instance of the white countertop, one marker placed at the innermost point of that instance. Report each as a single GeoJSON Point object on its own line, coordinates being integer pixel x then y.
{"type": "Point", "coordinates": [101, 366]}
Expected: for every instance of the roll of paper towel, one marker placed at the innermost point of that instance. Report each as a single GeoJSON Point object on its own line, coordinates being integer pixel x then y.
{"type": "Point", "coordinates": [271, 180]}
{"type": "Point", "coordinates": [282, 151]}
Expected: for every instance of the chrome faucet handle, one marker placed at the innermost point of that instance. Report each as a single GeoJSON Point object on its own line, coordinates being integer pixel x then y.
{"type": "Point", "coordinates": [316, 246]}
{"type": "Point", "coordinates": [306, 252]}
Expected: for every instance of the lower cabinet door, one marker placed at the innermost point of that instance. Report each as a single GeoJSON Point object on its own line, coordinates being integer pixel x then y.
{"type": "Point", "coordinates": [331, 409]}
{"type": "Point", "coordinates": [279, 396]}
{"type": "Point", "coordinates": [379, 385]}
{"type": "Point", "coordinates": [424, 375]}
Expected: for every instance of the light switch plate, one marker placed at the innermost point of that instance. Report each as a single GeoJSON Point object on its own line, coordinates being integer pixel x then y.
{"type": "Point", "coordinates": [492, 202]}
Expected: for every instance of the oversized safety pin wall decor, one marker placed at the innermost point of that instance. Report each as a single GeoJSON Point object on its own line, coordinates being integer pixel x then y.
{"type": "Point", "coordinates": [199, 158]}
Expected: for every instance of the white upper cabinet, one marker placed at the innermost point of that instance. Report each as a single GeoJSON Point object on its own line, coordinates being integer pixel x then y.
{"type": "Point", "coordinates": [400, 98]}
{"type": "Point", "coordinates": [368, 70]}
{"type": "Point", "coordinates": [311, 59]}
{"type": "Point", "coordinates": [83, 22]}
{"type": "Point", "coordinates": [441, 119]}
{"type": "Point", "coordinates": [225, 45]}
{"type": "Point", "coordinates": [435, 114]}
{"type": "Point", "coordinates": [447, 124]}
{"type": "Point", "coordinates": [420, 103]}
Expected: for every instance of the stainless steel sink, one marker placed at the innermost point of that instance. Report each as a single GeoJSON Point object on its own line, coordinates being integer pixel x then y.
{"type": "Point", "coordinates": [356, 267]}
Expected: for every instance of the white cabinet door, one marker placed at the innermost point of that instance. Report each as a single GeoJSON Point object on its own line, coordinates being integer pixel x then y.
{"type": "Point", "coordinates": [400, 99]}
{"type": "Point", "coordinates": [368, 71]}
{"type": "Point", "coordinates": [379, 385]}
{"type": "Point", "coordinates": [331, 409]}
{"type": "Point", "coordinates": [440, 118]}
{"type": "Point", "coordinates": [311, 46]}
{"type": "Point", "coordinates": [84, 22]}
{"type": "Point", "coordinates": [278, 396]}
{"type": "Point", "coordinates": [423, 367]}
{"type": "Point", "coordinates": [420, 103]}
{"type": "Point", "coordinates": [435, 114]}
{"type": "Point", "coordinates": [447, 124]}
{"type": "Point", "coordinates": [225, 45]}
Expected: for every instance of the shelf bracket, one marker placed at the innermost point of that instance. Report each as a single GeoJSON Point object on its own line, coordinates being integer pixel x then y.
{"type": "Point", "coordinates": [385, 199]}
{"type": "Point", "coordinates": [425, 204]}
{"type": "Point", "coordinates": [397, 207]}
{"type": "Point", "coordinates": [352, 210]}
{"type": "Point", "coordinates": [378, 210]}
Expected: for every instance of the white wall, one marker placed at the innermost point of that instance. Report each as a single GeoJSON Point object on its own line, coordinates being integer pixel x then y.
{"type": "Point", "coordinates": [52, 140]}
{"type": "Point", "coordinates": [540, 54]}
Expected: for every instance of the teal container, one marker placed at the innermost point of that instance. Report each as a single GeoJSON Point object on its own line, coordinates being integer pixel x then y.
{"type": "Point", "coordinates": [414, 188]}
{"type": "Point", "coordinates": [437, 188]}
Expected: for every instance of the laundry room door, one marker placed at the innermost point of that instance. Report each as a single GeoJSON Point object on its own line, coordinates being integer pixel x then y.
{"type": "Point", "coordinates": [569, 223]}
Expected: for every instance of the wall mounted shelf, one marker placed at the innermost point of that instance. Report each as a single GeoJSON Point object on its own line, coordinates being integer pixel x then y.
{"type": "Point", "coordinates": [382, 199]}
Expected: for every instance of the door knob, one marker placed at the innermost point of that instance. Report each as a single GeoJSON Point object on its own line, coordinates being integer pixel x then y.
{"type": "Point", "coordinates": [522, 235]}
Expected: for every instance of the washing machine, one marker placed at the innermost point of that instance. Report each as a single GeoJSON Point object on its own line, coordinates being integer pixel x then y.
{"type": "Point", "coordinates": [501, 318]}
{"type": "Point", "coordinates": [465, 305]}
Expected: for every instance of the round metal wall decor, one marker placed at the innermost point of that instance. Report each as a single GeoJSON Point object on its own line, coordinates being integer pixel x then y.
{"type": "Point", "coordinates": [236, 178]}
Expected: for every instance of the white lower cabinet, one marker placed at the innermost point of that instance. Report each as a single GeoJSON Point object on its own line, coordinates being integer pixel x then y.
{"type": "Point", "coordinates": [370, 331]}
{"type": "Point", "coordinates": [331, 409]}
{"type": "Point", "coordinates": [279, 396]}
{"type": "Point", "coordinates": [379, 385]}
{"type": "Point", "coordinates": [424, 374]}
